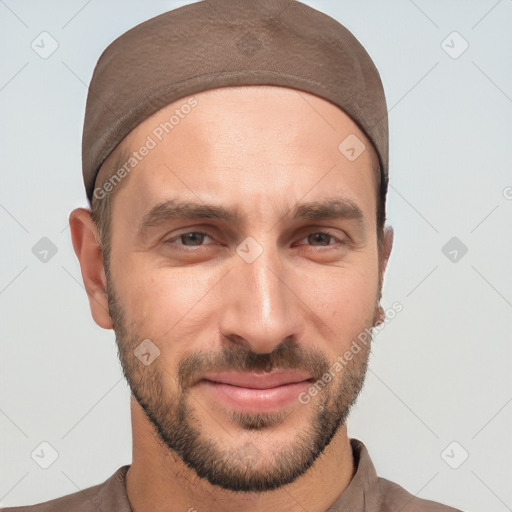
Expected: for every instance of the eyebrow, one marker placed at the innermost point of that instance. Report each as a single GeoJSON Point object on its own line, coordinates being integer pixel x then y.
{"type": "Point", "coordinates": [335, 208]}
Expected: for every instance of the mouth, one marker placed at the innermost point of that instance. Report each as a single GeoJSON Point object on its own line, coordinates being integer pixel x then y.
{"type": "Point", "coordinates": [253, 392]}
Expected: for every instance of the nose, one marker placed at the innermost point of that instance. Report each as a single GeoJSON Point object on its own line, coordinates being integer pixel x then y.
{"type": "Point", "coordinates": [261, 306]}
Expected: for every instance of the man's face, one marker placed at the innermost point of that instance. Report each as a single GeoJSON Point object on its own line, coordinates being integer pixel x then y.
{"type": "Point", "coordinates": [266, 292]}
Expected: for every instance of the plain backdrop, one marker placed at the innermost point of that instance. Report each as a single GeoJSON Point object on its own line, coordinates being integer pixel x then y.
{"type": "Point", "coordinates": [436, 409]}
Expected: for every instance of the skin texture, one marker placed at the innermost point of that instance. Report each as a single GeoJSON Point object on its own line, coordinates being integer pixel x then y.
{"type": "Point", "coordinates": [298, 305]}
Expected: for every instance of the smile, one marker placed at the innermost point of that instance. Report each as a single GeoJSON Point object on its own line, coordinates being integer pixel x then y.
{"type": "Point", "coordinates": [251, 392]}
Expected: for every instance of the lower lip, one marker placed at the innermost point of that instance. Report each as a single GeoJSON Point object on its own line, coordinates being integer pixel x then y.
{"type": "Point", "coordinates": [256, 400]}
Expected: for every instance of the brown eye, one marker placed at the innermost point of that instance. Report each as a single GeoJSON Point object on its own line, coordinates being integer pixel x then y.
{"type": "Point", "coordinates": [320, 239]}
{"type": "Point", "coordinates": [189, 239]}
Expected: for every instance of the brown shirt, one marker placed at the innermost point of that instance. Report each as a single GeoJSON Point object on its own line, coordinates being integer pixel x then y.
{"type": "Point", "coordinates": [366, 493]}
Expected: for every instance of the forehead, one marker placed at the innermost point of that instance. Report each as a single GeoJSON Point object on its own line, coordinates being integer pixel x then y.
{"type": "Point", "coordinates": [257, 142]}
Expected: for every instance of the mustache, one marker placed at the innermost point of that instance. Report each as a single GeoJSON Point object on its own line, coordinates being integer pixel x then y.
{"type": "Point", "coordinates": [286, 356]}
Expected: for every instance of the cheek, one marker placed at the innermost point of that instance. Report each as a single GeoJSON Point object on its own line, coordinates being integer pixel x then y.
{"type": "Point", "coordinates": [163, 303]}
{"type": "Point", "coordinates": [344, 300]}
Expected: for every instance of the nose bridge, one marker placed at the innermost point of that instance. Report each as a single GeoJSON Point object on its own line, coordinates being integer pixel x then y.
{"type": "Point", "coordinates": [258, 307]}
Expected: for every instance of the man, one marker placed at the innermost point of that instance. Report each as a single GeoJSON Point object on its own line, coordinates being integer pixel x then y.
{"type": "Point", "coordinates": [235, 154]}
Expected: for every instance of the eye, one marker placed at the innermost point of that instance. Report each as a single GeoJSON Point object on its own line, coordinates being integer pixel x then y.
{"type": "Point", "coordinates": [194, 237]}
{"type": "Point", "coordinates": [323, 239]}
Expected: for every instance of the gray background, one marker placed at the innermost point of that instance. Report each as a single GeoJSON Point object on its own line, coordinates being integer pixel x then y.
{"type": "Point", "coordinates": [440, 371]}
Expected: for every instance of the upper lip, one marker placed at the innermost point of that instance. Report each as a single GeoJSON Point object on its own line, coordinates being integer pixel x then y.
{"type": "Point", "coordinates": [257, 380]}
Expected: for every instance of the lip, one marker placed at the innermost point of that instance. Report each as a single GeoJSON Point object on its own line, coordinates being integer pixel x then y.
{"type": "Point", "coordinates": [253, 380]}
{"type": "Point", "coordinates": [252, 392]}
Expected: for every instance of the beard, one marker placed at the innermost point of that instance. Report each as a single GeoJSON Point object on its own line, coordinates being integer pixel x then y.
{"type": "Point", "coordinates": [242, 466]}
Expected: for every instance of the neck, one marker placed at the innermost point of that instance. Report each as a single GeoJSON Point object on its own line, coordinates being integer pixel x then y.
{"type": "Point", "coordinates": [158, 477]}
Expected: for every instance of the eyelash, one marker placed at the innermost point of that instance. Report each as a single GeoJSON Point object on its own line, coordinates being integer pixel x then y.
{"type": "Point", "coordinates": [170, 241]}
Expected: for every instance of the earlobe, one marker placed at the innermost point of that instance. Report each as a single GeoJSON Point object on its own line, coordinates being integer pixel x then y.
{"type": "Point", "coordinates": [85, 240]}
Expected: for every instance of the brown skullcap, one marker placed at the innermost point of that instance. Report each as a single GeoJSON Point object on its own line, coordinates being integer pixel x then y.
{"type": "Point", "coordinates": [216, 43]}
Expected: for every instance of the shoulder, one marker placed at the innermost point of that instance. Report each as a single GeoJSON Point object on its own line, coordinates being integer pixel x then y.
{"type": "Point", "coordinates": [395, 497]}
{"type": "Point", "coordinates": [100, 497]}
{"type": "Point", "coordinates": [82, 501]}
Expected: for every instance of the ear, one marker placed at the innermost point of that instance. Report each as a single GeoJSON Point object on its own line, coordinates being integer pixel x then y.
{"type": "Point", "coordinates": [387, 245]}
{"type": "Point", "coordinates": [85, 239]}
